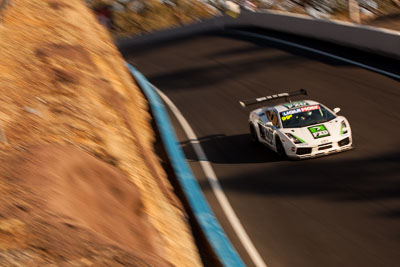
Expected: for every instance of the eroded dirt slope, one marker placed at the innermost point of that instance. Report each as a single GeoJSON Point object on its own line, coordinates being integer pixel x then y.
{"type": "Point", "coordinates": [79, 182]}
{"type": "Point", "coordinates": [391, 22]}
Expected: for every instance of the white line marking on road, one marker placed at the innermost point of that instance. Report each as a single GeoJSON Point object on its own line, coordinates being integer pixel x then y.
{"type": "Point", "coordinates": [318, 52]}
{"type": "Point", "coordinates": [215, 185]}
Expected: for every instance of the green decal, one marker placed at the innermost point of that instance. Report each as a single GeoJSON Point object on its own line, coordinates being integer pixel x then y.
{"type": "Point", "coordinates": [318, 131]}
{"type": "Point", "coordinates": [295, 104]}
{"type": "Point", "coordinates": [298, 138]}
{"type": "Point", "coordinates": [317, 128]}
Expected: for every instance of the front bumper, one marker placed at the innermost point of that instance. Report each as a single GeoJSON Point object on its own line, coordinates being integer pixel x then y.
{"type": "Point", "coordinates": [320, 150]}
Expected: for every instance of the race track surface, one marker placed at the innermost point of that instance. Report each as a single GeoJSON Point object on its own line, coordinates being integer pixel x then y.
{"type": "Point", "coordinates": [340, 210]}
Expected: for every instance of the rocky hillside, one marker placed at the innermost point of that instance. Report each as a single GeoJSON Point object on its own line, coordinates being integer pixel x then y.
{"type": "Point", "coordinates": [133, 17]}
{"type": "Point", "coordinates": [80, 184]}
{"type": "Point", "coordinates": [126, 18]}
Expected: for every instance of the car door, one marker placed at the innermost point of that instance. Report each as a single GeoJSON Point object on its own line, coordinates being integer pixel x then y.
{"type": "Point", "coordinates": [262, 120]}
{"type": "Point", "coordinates": [269, 129]}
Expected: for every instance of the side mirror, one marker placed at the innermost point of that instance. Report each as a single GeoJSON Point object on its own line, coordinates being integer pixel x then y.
{"type": "Point", "coordinates": [336, 110]}
{"type": "Point", "coordinates": [268, 124]}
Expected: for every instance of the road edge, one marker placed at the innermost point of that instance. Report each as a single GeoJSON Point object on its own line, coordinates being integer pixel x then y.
{"type": "Point", "coordinates": [207, 221]}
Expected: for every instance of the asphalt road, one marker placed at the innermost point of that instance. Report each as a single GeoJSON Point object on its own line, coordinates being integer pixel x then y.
{"type": "Point", "coordinates": [340, 210]}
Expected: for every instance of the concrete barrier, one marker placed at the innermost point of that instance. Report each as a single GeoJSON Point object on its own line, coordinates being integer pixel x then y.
{"type": "Point", "coordinates": [366, 38]}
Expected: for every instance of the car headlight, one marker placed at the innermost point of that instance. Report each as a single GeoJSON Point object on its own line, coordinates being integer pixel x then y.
{"type": "Point", "coordinates": [294, 139]}
{"type": "Point", "coordinates": [343, 128]}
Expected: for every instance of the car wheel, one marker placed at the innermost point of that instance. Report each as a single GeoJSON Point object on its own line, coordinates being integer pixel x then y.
{"type": "Point", "coordinates": [280, 149]}
{"type": "Point", "coordinates": [253, 133]}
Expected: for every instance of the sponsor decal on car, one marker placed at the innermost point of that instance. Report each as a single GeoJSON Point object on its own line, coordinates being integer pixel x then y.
{"type": "Point", "coordinates": [309, 108]}
{"type": "Point", "coordinates": [299, 110]}
{"type": "Point", "coordinates": [318, 131]}
{"type": "Point", "coordinates": [291, 112]}
{"type": "Point", "coordinates": [288, 117]}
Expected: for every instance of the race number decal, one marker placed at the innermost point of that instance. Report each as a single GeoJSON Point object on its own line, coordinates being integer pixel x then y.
{"type": "Point", "coordinates": [266, 133]}
{"type": "Point", "coordinates": [318, 131]}
{"type": "Point", "coordinates": [269, 134]}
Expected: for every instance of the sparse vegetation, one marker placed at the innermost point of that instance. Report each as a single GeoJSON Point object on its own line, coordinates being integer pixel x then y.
{"type": "Point", "coordinates": [135, 17]}
{"type": "Point", "coordinates": [138, 17]}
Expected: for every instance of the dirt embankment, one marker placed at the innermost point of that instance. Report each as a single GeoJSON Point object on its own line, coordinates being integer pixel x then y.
{"type": "Point", "coordinates": [390, 21]}
{"type": "Point", "coordinates": [79, 182]}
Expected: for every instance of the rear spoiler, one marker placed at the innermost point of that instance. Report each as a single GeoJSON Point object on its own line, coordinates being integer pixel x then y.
{"type": "Point", "coordinates": [248, 102]}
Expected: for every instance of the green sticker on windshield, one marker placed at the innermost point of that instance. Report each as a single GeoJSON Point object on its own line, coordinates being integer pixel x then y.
{"type": "Point", "coordinates": [318, 131]}
{"type": "Point", "coordinates": [295, 104]}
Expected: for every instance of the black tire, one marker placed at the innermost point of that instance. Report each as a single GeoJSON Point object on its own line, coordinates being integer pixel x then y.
{"type": "Point", "coordinates": [280, 149]}
{"type": "Point", "coordinates": [253, 133]}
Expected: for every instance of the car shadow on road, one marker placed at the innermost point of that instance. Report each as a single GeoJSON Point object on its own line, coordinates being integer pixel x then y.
{"type": "Point", "coordinates": [234, 149]}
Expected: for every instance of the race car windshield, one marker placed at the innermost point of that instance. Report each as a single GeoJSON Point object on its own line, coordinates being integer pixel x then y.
{"type": "Point", "coordinates": [305, 116]}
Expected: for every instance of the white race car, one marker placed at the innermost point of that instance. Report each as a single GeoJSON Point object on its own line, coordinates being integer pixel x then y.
{"type": "Point", "coordinates": [300, 129]}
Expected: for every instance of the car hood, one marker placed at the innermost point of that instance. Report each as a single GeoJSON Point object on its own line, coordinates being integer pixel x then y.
{"type": "Point", "coordinates": [318, 134]}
